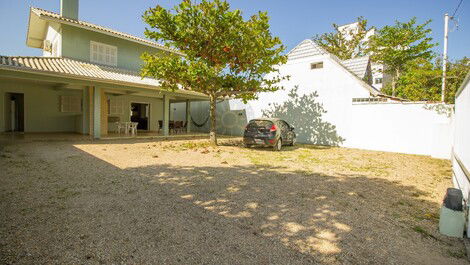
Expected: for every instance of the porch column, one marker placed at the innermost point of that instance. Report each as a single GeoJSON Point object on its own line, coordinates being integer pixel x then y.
{"type": "Point", "coordinates": [96, 112]}
{"type": "Point", "coordinates": [166, 114]}
{"type": "Point", "coordinates": [85, 110]}
{"type": "Point", "coordinates": [188, 116]}
{"type": "Point", "coordinates": [90, 110]}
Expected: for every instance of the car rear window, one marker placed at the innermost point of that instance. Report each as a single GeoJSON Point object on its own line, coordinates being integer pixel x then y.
{"type": "Point", "coordinates": [260, 124]}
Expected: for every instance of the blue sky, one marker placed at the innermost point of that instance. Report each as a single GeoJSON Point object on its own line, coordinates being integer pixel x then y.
{"type": "Point", "coordinates": [292, 20]}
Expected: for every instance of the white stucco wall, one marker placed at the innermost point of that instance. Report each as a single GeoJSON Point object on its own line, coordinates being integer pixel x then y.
{"type": "Point", "coordinates": [178, 111]}
{"type": "Point", "coordinates": [461, 144]}
{"type": "Point", "coordinates": [400, 127]}
{"type": "Point", "coordinates": [55, 37]}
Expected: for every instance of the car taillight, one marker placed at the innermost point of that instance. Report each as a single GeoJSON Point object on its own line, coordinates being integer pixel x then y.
{"type": "Point", "coordinates": [273, 128]}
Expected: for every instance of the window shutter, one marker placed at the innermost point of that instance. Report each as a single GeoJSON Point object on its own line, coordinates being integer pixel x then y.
{"type": "Point", "coordinates": [114, 56]}
{"type": "Point", "coordinates": [103, 54]}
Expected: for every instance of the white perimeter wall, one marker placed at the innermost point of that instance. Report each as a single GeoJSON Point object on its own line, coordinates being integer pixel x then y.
{"type": "Point", "coordinates": [461, 146]}
{"type": "Point", "coordinates": [400, 127]}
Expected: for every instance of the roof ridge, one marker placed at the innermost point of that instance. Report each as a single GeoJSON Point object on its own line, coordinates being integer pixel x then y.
{"type": "Point", "coordinates": [356, 58]}
{"type": "Point", "coordinates": [40, 11]}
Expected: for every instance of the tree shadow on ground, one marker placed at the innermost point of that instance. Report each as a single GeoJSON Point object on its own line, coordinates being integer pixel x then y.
{"type": "Point", "coordinates": [305, 114]}
{"type": "Point", "coordinates": [194, 214]}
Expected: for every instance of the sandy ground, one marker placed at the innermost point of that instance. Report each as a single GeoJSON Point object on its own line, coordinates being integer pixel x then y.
{"type": "Point", "coordinates": [183, 202]}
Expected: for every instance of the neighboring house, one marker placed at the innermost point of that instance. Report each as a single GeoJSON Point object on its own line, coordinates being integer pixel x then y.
{"type": "Point", "coordinates": [87, 79]}
{"type": "Point", "coordinates": [379, 78]}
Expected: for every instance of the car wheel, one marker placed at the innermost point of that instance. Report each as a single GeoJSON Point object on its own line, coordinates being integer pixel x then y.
{"type": "Point", "coordinates": [293, 142]}
{"type": "Point", "coordinates": [278, 145]}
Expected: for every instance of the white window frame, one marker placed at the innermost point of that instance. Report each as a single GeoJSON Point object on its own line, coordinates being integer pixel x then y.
{"type": "Point", "coordinates": [316, 65]}
{"type": "Point", "coordinates": [103, 53]}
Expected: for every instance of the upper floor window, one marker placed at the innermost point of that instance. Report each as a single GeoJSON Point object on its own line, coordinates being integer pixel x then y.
{"type": "Point", "coordinates": [378, 81]}
{"type": "Point", "coordinates": [316, 65]}
{"type": "Point", "coordinates": [103, 54]}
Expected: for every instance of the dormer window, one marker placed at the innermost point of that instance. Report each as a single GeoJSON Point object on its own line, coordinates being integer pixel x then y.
{"type": "Point", "coordinates": [316, 65]}
{"type": "Point", "coordinates": [103, 54]}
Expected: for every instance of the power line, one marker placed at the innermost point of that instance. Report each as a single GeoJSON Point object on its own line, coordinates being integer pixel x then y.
{"type": "Point", "coordinates": [457, 8]}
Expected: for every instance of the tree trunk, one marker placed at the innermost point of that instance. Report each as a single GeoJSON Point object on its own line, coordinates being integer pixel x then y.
{"type": "Point", "coordinates": [213, 136]}
{"type": "Point", "coordinates": [394, 81]}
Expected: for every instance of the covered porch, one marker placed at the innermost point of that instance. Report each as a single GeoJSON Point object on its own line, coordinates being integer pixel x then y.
{"type": "Point", "coordinates": [34, 101]}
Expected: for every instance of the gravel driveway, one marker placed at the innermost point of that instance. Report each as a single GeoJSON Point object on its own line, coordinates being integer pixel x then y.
{"type": "Point", "coordinates": [183, 202]}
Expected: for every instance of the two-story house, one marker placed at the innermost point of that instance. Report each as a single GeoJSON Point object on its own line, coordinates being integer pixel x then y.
{"type": "Point", "coordinates": [87, 79]}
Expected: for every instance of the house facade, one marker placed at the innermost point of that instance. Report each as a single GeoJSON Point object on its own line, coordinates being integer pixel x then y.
{"type": "Point", "coordinates": [87, 79]}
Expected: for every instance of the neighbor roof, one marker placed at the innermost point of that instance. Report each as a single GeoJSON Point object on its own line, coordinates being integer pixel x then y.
{"type": "Point", "coordinates": [48, 15]}
{"type": "Point", "coordinates": [77, 69]}
{"type": "Point", "coordinates": [357, 65]}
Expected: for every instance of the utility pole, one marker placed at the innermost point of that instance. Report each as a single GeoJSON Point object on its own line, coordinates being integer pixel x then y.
{"type": "Point", "coordinates": [444, 59]}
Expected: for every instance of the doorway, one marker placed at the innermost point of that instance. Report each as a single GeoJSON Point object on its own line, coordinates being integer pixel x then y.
{"type": "Point", "coordinates": [140, 114]}
{"type": "Point", "coordinates": [14, 112]}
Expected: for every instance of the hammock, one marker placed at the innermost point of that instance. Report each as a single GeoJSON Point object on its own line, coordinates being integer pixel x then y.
{"type": "Point", "coordinates": [205, 121]}
{"type": "Point", "coordinates": [199, 125]}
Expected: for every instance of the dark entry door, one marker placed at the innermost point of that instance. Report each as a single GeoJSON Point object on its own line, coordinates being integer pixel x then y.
{"type": "Point", "coordinates": [15, 112]}
{"type": "Point", "coordinates": [140, 114]}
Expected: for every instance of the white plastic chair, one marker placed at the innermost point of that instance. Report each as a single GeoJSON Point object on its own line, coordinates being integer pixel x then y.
{"type": "Point", "coordinates": [119, 127]}
{"type": "Point", "coordinates": [133, 128]}
{"type": "Point", "coordinates": [127, 127]}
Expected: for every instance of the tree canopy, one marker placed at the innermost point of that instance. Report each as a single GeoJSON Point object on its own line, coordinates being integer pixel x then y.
{"type": "Point", "coordinates": [422, 79]}
{"type": "Point", "coordinates": [345, 43]}
{"type": "Point", "coordinates": [223, 54]}
{"type": "Point", "coordinates": [397, 45]}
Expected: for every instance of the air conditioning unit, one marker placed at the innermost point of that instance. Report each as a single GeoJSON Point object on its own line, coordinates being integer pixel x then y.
{"type": "Point", "coordinates": [47, 46]}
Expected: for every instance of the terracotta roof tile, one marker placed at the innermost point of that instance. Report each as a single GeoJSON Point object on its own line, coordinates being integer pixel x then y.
{"type": "Point", "coordinates": [73, 68]}
{"type": "Point", "coordinates": [48, 14]}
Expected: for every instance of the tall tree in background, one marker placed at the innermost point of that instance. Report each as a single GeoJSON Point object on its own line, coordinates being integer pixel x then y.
{"type": "Point", "coordinates": [396, 46]}
{"type": "Point", "coordinates": [224, 54]}
{"type": "Point", "coordinates": [456, 73]}
{"type": "Point", "coordinates": [419, 81]}
{"type": "Point", "coordinates": [345, 43]}
{"type": "Point", "coordinates": [422, 79]}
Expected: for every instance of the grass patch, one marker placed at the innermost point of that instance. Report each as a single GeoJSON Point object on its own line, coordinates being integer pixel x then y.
{"type": "Point", "coordinates": [424, 232]}
{"type": "Point", "coordinates": [457, 254]}
{"type": "Point", "coordinates": [190, 145]}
